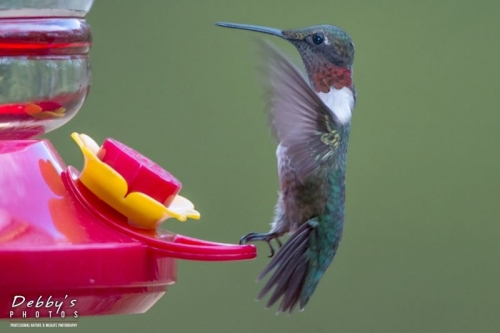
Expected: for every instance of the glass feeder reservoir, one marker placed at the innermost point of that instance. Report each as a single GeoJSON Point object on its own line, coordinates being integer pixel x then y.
{"type": "Point", "coordinates": [44, 65]}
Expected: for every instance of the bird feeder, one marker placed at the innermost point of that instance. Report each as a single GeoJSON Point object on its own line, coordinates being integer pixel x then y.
{"type": "Point", "coordinates": [77, 241]}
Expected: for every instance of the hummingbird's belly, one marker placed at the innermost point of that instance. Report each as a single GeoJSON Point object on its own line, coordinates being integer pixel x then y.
{"type": "Point", "coordinates": [298, 202]}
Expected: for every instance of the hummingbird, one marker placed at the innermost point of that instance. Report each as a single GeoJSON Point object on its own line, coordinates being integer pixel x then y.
{"type": "Point", "coordinates": [311, 120]}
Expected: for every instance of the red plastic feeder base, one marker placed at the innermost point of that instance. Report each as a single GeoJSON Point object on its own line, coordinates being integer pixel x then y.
{"type": "Point", "coordinates": [58, 240]}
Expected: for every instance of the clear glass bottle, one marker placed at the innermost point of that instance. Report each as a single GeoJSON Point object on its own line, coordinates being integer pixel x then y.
{"type": "Point", "coordinates": [44, 64]}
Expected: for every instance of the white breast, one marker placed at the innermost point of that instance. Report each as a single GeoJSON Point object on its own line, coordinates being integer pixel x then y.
{"type": "Point", "coordinates": [340, 101]}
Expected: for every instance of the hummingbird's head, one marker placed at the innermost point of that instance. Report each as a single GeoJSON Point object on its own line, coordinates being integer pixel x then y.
{"type": "Point", "coordinates": [327, 52]}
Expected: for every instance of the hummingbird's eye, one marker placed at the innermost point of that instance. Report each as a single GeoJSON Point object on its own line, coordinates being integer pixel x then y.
{"type": "Point", "coordinates": [317, 39]}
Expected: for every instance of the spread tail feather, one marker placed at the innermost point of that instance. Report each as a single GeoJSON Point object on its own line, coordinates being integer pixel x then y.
{"type": "Point", "coordinates": [290, 269]}
{"type": "Point", "coordinates": [297, 268]}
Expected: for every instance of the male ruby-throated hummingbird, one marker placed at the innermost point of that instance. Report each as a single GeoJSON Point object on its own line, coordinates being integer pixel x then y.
{"type": "Point", "coordinates": [311, 119]}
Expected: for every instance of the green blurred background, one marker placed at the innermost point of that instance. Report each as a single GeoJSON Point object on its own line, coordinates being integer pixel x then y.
{"type": "Point", "coordinates": [421, 243]}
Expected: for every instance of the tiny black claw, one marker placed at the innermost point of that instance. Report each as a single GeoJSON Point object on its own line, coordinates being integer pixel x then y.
{"type": "Point", "coordinates": [247, 238]}
{"type": "Point", "coordinates": [279, 242]}
{"type": "Point", "coordinates": [254, 236]}
{"type": "Point", "coordinates": [270, 248]}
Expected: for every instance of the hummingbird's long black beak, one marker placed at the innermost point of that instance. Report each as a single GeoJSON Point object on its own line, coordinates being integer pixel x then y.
{"type": "Point", "coordinates": [266, 30]}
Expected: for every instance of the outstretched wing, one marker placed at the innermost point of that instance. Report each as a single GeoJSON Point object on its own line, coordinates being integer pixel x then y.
{"type": "Point", "coordinates": [301, 121]}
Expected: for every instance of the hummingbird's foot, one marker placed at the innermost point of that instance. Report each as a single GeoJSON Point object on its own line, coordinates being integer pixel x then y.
{"type": "Point", "coordinates": [254, 236]}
